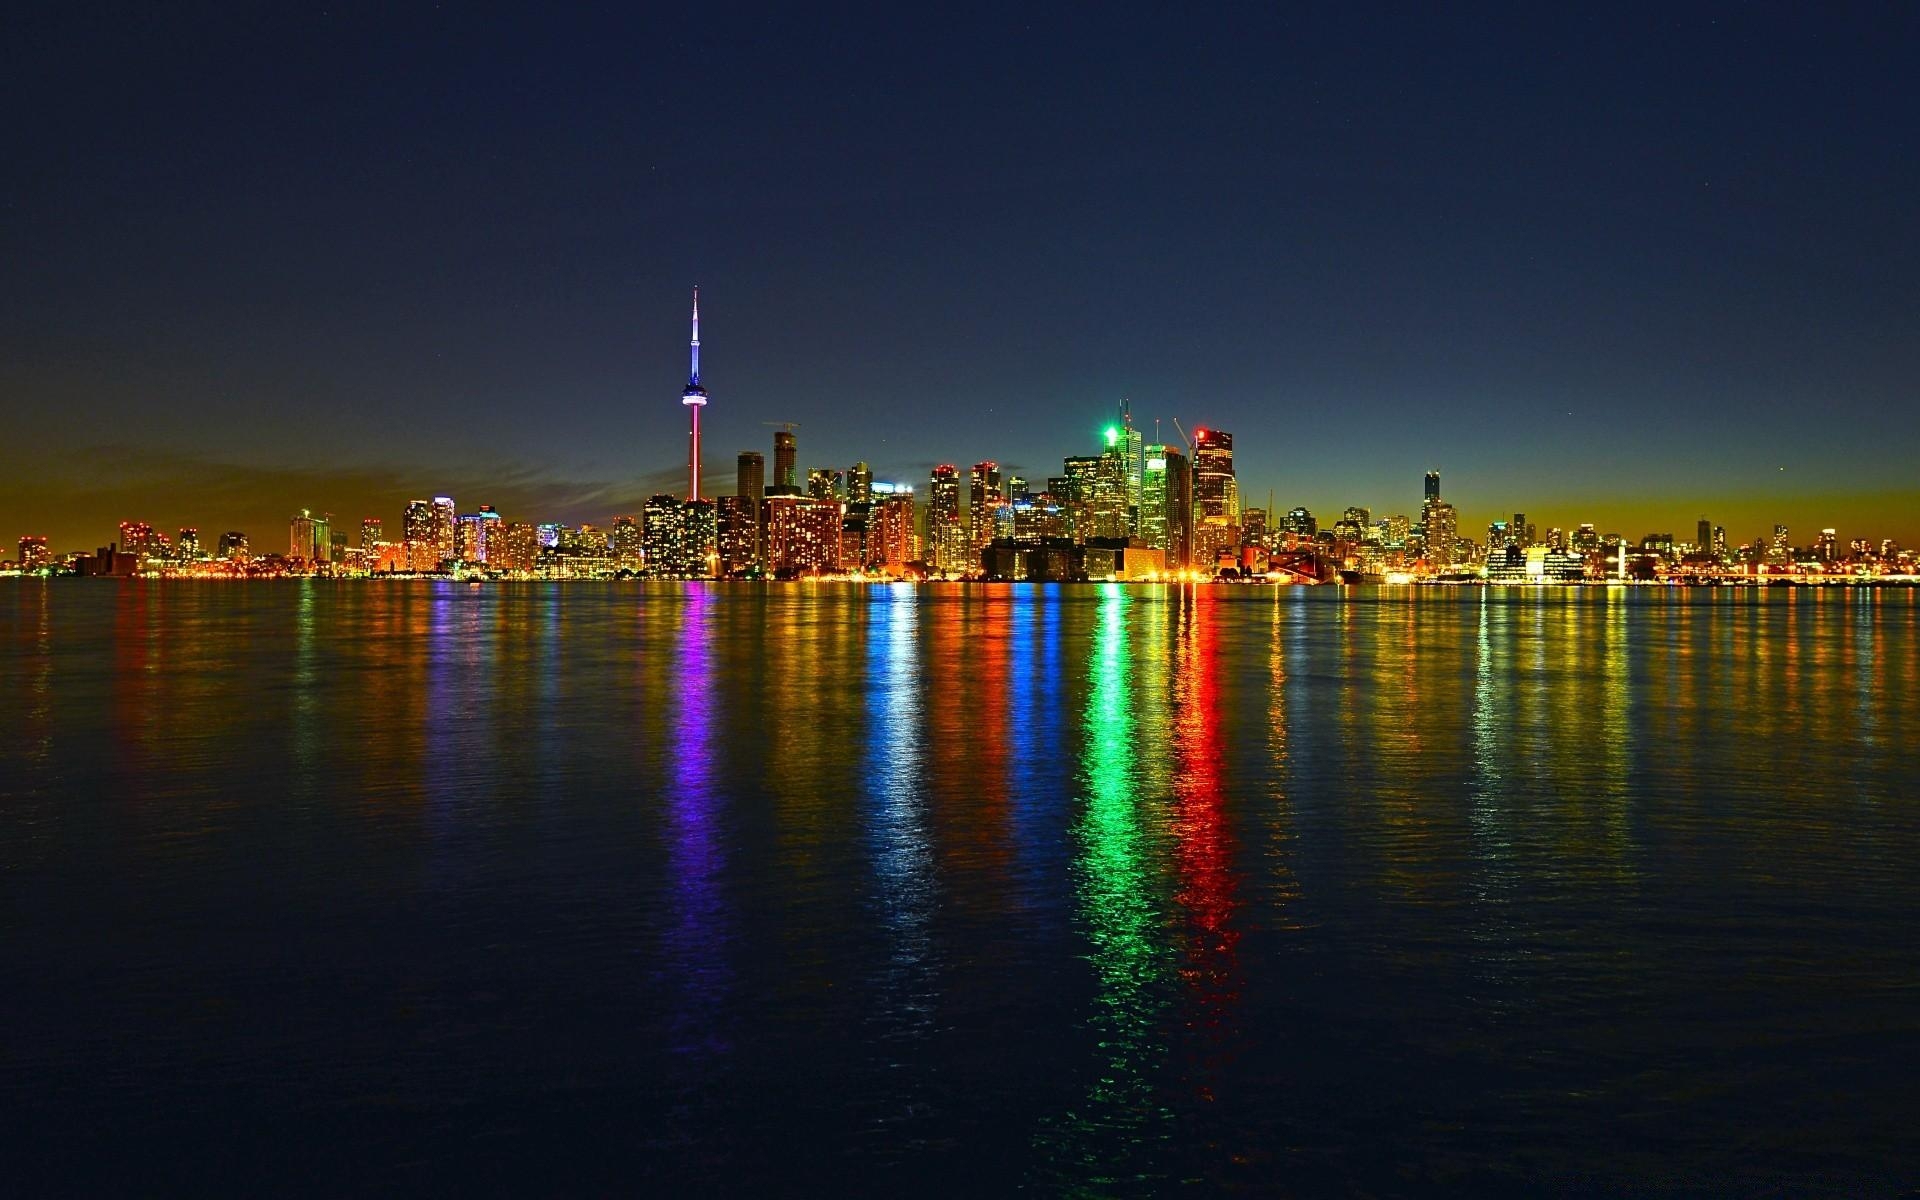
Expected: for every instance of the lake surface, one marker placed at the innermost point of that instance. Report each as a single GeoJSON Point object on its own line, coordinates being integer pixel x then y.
{"type": "Point", "coordinates": [338, 887]}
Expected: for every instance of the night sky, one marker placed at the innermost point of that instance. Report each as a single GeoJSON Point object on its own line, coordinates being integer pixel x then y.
{"type": "Point", "coordinates": [1623, 266]}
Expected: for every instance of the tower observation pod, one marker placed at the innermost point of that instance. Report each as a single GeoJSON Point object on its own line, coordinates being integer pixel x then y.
{"type": "Point", "coordinates": [695, 398]}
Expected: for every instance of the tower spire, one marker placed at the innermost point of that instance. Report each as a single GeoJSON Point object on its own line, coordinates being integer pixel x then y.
{"type": "Point", "coordinates": [694, 377]}
{"type": "Point", "coordinates": [695, 398]}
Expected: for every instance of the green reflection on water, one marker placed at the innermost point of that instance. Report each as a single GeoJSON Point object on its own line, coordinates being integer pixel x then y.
{"type": "Point", "coordinates": [1103, 1144]}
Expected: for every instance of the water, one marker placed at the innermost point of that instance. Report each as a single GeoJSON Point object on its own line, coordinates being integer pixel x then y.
{"type": "Point", "coordinates": [1084, 890]}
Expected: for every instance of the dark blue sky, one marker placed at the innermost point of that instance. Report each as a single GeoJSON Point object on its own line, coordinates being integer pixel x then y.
{"type": "Point", "coordinates": [1622, 266]}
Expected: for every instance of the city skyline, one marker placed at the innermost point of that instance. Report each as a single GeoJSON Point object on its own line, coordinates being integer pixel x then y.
{"type": "Point", "coordinates": [1370, 244]}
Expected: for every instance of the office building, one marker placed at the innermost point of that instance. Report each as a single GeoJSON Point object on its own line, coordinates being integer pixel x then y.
{"type": "Point", "coordinates": [1216, 498]}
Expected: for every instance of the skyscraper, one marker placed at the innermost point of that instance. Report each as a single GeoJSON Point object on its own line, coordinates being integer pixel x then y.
{"type": "Point", "coordinates": [948, 537]}
{"type": "Point", "coordinates": [1433, 487]}
{"type": "Point", "coordinates": [751, 488]}
{"type": "Point", "coordinates": [695, 399]}
{"type": "Point", "coordinates": [33, 553]}
{"type": "Point", "coordinates": [860, 483]}
{"type": "Point", "coordinates": [1216, 497]}
{"type": "Point", "coordinates": [785, 454]}
{"type": "Point", "coordinates": [1153, 497]}
{"type": "Point", "coordinates": [1108, 504]}
{"type": "Point", "coordinates": [372, 531]}
{"type": "Point", "coordinates": [1130, 451]}
{"type": "Point", "coordinates": [983, 503]}
{"type": "Point", "coordinates": [417, 528]}
{"type": "Point", "coordinates": [665, 536]}
{"type": "Point", "coordinates": [443, 522]}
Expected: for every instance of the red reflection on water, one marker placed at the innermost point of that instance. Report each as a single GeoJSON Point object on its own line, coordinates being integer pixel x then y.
{"type": "Point", "coordinates": [1204, 844]}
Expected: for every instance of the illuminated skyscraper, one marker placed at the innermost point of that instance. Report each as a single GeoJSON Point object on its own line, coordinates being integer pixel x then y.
{"type": "Point", "coordinates": [949, 540]}
{"type": "Point", "coordinates": [187, 548]}
{"type": "Point", "coordinates": [311, 537]}
{"type": "Point", "coordinates": [1108, 505]}
{"type": "Point", "coordinates": [890, 542]}
{"type": "Point", "coordinates": [443, 523]}
{"type": "Point", "coordinates": [665, 533]}
{"type": "Point", "coordinates": [983, 502]}
{"type": "Point", "coordinates": [1082, 474]}
{"type": "Point", "coordinates": [234, 547]}
{"type": "Point", "coordinates": [1442, 524]}
{"type": "Point", "coordinates": [1779, 549]}
{"type": "Point", "coordinates": [860, 483]}
{"type": "Point", "coordinates": [703, 540]}
{"type": "Point", "coordinates": [471, 531]}
{"type": "Point", "coordinates": [1153, 497]}
{"type": "Point", "coordinates": [372, 532]}
{"type": "Point", "coordinates": [1433, 487]}
{"type": "Point", "coordinates": [138, 539]}
{"type": "Point", "coordinates": [33, 553]}
{"type": "Point", "coordinates": [1129, 445]}
{"type": "Point", "coordinates": [1216, 497]}
{"type": "Point", "coordinates": [695, 399]}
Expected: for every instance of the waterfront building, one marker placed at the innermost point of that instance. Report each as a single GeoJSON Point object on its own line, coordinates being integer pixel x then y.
{"type": "Point", "coordinates": [186, 548]}
{"type": "Point", "coordinates": [417, 529]}
{"type": "Point", "coordinates": [803, 535]}
{"type": "Point", "coordinates": [234, 547]}
{"type": "Point", "coordinates": [949, 538]}
{"type": "Point", "coordinates": [1108, 504]}
{"type": "Point", "coordinates": [444, 521]}
{"type": "Point", "coordinates": [739, 540]}
{"type": "Point", "coordinates": [860, 484]}
{"type": "Point", "coordinates": [1779, 549]}
{"type": "Point", "coordinates": [1082, 474]}
{"type": "Point", "coordinates": [890, 540]}
{"type": "Point", "coordinates": [1216, 498]}
{"type": "Point", "coordinates": [1442, 525]}
{"type": "Point", "coordinates": [372, 532]}
{"type": "Point", "coordinates": [664, 535]}
{"type": "Point", "coordinates": [34, 553]}
{"type": "Point", "coordinates": [470, 534]}
{"type": "Point", "coordinates": [310, 537]}
{"type": "Point", "coordinates": [984, 500]}
{"type": "Point", "coordinates": [627, 544]}
{"type": "Point", "coordinates": [513, 546]}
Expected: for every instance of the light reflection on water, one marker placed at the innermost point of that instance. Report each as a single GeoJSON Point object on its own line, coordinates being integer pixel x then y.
{"type": "Point", "coordinates": [1081, 889]}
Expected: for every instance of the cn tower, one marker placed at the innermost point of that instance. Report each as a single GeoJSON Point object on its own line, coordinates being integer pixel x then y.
{"type": "Point", "coordinates": [695, 398]}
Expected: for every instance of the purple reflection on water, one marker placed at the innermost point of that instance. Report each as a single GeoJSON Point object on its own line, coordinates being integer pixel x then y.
{"type": "Point", "coordinates": [695, 944]}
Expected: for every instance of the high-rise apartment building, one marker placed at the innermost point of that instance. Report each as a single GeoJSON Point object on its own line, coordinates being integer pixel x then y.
{"type": "Point", "coordinates": [803, 535]}
{"type": "Point", "coordinates": [1442, 525]}
{"type": "Point", "coordinates": [984, 499]}
{"type": "Point", "coordinates": [890, 540]}
{"type": "Point", "coordinates": [372, 532]}
{"type": "Point", "coordinates": [664, 533]}
{"type": "Point", "coordinates": [444, 521]}
{"type": "Point", "coordinates": [470, 534]}
{"type": "Point", "coordinates": [310, 537]}
{"type": "Point", "coordinates": [739, 542]}
{"type": "Point", "coordinates": [949, 535]}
